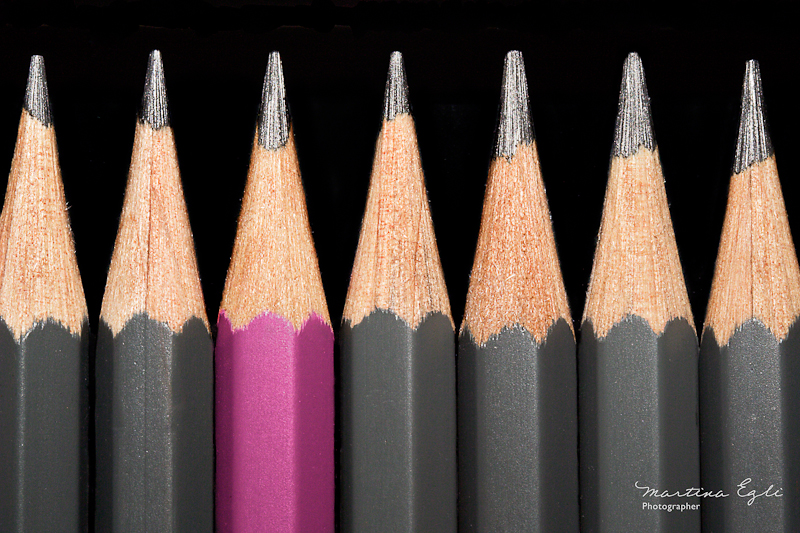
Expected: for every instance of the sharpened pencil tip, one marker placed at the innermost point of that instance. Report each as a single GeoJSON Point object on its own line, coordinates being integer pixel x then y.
{"type": "Point", "coordinates": [514, 123]}
{"type": "Point", "coordinates": [754, 144]}
{"type": "Point", "coordinates": [273, 119]}
{"type": "Point", "coordinates": [634, 122]}
{"type": "Point", "coordinates": [37, 99]}
{"type": "Point", "coordinates": [395, 99]}
{"type": "Point", "coordinates": [155, 110]}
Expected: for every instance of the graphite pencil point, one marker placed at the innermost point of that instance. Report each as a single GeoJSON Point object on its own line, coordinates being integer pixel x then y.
{"type": "Point", "coordinates": [37, 99]}
{"type": "Point", "coordinates": [395, 100]}
{"type": "Point", "coordinates": [514, 124]}
{"type": "Point", "coordinates": [634, 122]}
{"type": "Point", "coordinates": [155, 110]}
{"type": "Point", "coordinates": [273, 118]}
{"type": "Point", "coordinates": [754, 144]}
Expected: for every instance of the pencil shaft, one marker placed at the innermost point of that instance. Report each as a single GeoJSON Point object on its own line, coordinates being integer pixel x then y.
{"type": "Point", "coordinates": [398, 462]}
{"type": "Point", "coordinates": [43, 429]}
{"type": "Point", "coordinates": [275, 421]}
{"type": "Point", "coordinates": [154, 410]}
{"type": "Point", "coordinates": [750, 429]}
{"type": "Point", "coordinates": [749, 369]}
{"type": "Point", "coordinates": [44, 332]}
{"type": "Point", "coordinates": [517, 430]}
{"type": "Point", "coordinates": [638, 425]}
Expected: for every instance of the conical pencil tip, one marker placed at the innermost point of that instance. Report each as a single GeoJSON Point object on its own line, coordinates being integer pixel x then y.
{"type": "Point", "coordinates": [634, 122]}
{"type": "Point", "coordinates": [395, 99]}
{"type": "Point", "coordinates": [155, 109]}
{"type": "Point", "coordinates": [273, 119]}
{"type": "Point", "coordinates": [37, 99]}
{"type": "Point", "coordinates": [754, 144]}
{"type": "Point", "coordinates": [514, 123]}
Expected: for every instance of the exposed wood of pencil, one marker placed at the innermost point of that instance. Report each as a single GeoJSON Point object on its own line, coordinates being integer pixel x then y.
{"type": "Point", "coordinates": [516, 277]}
{"type": "Point", "coordinates": [153, 268]}
{"type": "Point", "coordinates": [274, 266]}
{"type": "Point", "coordinates": [636, 269]}
{"type": "Point", "coordinates": [397, 265]}
{"type": "Point", "coordinates": [757, 273]}
{"type": "Point", "coordinates": [39, 277]}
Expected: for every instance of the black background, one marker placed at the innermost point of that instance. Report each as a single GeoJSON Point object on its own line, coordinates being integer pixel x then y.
{"type": "Point", "coordinates": [335, 58]}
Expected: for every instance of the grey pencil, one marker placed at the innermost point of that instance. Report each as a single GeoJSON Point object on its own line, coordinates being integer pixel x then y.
{"type": "Point", "coordinates": [154, 416]}
{"type": "Point", "coordinates": [750, 354]}
{"type": "Point", "coordinates": [517, 383]}
{"type": "Point", "coordinates": [637, 358]}
{"type": "Point", "coordinates": [398, 411]}
{"type": "Point", "coordinates": [44, 334]}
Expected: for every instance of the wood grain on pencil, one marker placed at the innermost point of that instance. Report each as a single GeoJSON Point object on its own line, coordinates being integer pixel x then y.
{"type": "Point", "coordinates": [39, 272]}
{"type": "Point", "coordinates": [397, 265]}
{"type": "Point", "coordinates": [274, 264]}
{"type": "Point", "coordinates": [153, 268]}
{"type": "Point", "coordinates": [44, 335]}
{"type": "Point", "coordinates": [636, 269]}
{"type": "Point", "coordinates": [757, 274]}
{"type": "Point", "coordinates": [516, 276]}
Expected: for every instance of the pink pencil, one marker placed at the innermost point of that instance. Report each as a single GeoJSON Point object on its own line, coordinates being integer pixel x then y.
{"type": "Point", "coordinates": [274, 355]}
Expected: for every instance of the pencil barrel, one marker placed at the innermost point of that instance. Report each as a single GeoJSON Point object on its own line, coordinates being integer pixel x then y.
{"type": "Point", "coordinates": [638, 426]}
{"type": "Point", "coordinates": [518, 432]}
{"type": "Point", "coordinates": [398, 402]}
{"type": "Point", "coordinates": [274, 428]}
{"type": "Point", "coordinates": [154, 428]}
{"type": "Point", "coordinates": [750, 430]}
{"type": "Point", "coordinates": [43, 429]}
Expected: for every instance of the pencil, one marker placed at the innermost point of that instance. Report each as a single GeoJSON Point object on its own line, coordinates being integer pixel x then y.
{"type": "Point", "coordinates": [637, 359]}
{"type": "Point", "coordinates": [274, 355]}
{"type": "Point", "coordinates": [749, 366]}
{"type": "Point", "coordinates": [44, 337]}
{"type": "Point", "coordinates": [154, 410]}
{"type": "Point", "coordinates": [398, 410]}
{"type": "Point", "coordinates": [517, 383]}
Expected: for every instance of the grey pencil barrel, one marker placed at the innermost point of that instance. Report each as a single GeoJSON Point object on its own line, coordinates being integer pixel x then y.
{"type": "Point", "coordinates": [43, 429]}
{"type": "Point", "coordinates": [750, 429]}
{"type": "Point", "coordinates": [398, 415]}
{"type": "Point", "coordinates": [154, 427]}
{"type": "Point", "coordinates": [518, 432]}
{"type": "Point", "coordinates": [638, 426]}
